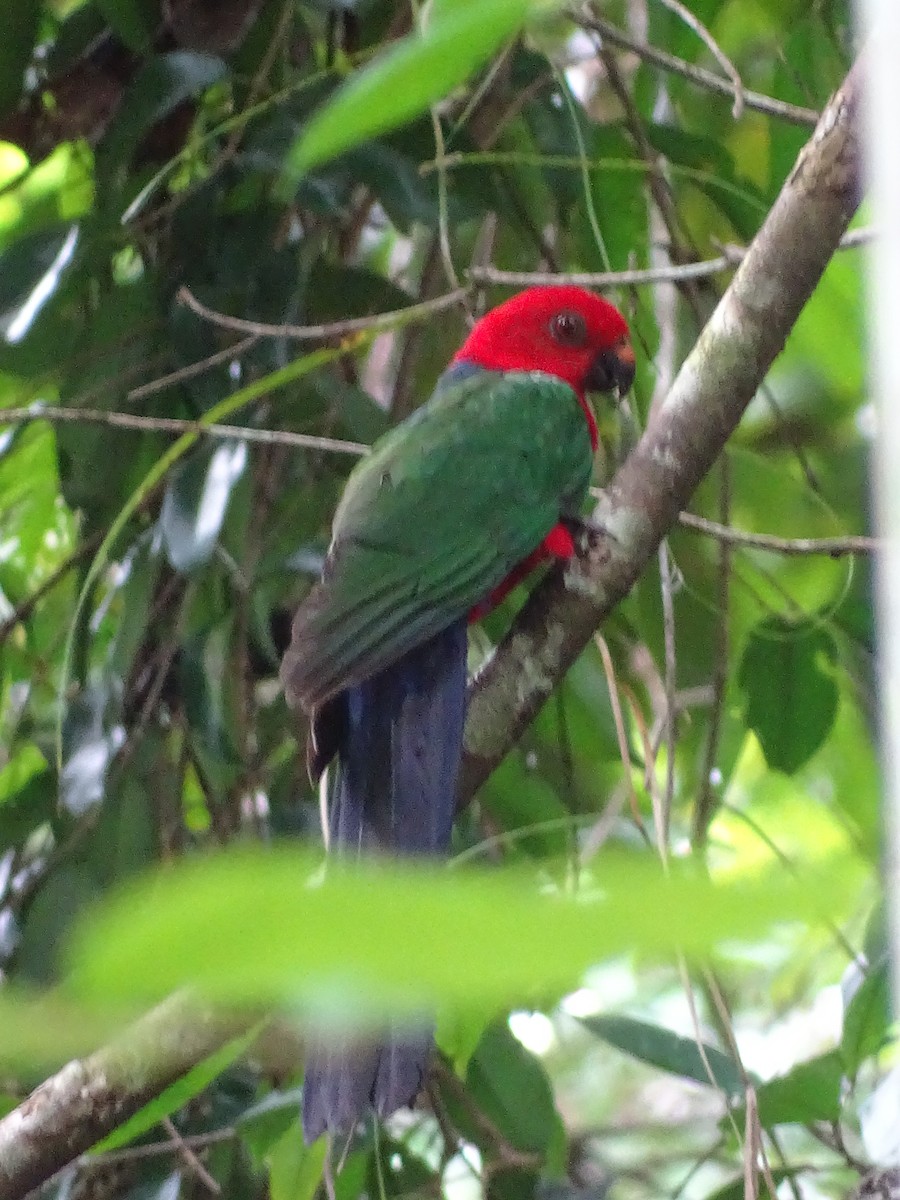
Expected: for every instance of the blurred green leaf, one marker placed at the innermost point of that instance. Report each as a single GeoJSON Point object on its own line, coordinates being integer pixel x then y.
{"type": "Point", "coordinates": [27, 798]}
{"type": "Point", "coordinates": [135, 21]}
{"type": "Point", "coordinates": [24, 266]}
{"type": "Point", "coordinates": [808, 1092]}
{"type": "Point", "coordinates": [20, 27]}
{"type": "Point", "coordinates": [295, 1169]}
{"type": "Point", "coordinates": [867, 1019]}
{"type": "Point", "coordinates": [402, 83]}
{"type": "Point", "coordinates": [164, 82]}
{"type": "Point", "coordinates": [791, 694]}
{"type": "Point", "coordinates": [260, 926]}
{"type": "Point", "coordinates": [41, 1030]}
{"type": "Point", "coordinates": [511, 1088]}
{"type": "Point", "coordinates": [266, 1122]}
{"type": "Point", "coordinates": [669, 1051]}
{"type": "Point", "coordinates": [203, 685]}
{"type": "Point", "coordinates": [196, 502]}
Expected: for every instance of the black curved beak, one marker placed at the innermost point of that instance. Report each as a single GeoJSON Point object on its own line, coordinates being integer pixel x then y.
{"type": "Point", "coordinates": [612, 370]}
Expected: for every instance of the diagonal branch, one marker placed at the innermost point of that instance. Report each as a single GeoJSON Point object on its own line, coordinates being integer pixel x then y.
{"type": "Point", "coordinates": [87, 1099]}
{"type": "Point", "coordinates": [685, 436]}
{"type": "Point", "coordinates": [90, 1097]}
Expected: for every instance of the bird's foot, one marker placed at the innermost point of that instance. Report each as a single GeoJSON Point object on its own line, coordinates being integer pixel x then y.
{"type": "Point", "coordinates": [587, 532]}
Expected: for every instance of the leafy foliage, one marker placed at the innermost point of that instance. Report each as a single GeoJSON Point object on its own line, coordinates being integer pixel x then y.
{"type": "Point", "coordinates": [290, 161]}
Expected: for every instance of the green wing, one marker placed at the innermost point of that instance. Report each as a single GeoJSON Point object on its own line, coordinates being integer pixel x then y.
{"type": "Point", "coordinates": [433, 519]}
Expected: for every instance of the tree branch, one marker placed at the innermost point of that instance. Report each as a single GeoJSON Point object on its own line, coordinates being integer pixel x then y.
{"type": "Point", "coordinates": [682, 441]}
{"type": "Point", "coordinates": [332, 329]}
{"type": "Point", "coordinates": [697, 75]}
{"type": "Point", "coordinates": [833, 547]}
{"type": "Point", "coordinates": [141, 424]}
{"type": "Point", "coordinates": [88, 1098]}
{"type": "Point", "coordinates": [730, 257]}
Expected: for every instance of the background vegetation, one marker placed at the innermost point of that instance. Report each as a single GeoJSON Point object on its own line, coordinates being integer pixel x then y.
{"type": "Point", "coordinates": [151, 178]}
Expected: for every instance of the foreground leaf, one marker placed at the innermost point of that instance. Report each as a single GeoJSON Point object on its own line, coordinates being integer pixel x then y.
{"type": "Point", "coordinates": [403, 82]}
{"type": "Point", "coordinates": [257, 926]}
{"type": "Point", "coordinates": [44, 1030]}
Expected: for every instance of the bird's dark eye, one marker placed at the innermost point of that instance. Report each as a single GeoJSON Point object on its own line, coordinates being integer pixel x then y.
{"type": "Point", "coordinates": [569, 329]}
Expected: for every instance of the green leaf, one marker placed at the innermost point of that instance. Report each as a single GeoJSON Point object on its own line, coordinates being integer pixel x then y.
{"type": "Point", "coordinates": [295, 1169]}
{"type": "Point", "coordinates": [135, 21]}
{"type": "Point", "coordinates": [163, 83]}
{"type": "Point", "coordinates": [405, 80]}
{"type": "Point", "coordinates": [43, 1029]}
{"type": "Point", "coordinates": [20, 26]}
{"type": "Point", "coordinates": [669, 1051]}
{"type": "Point", "coordinates": [89, 742]}
{"type": "Point", "coordinates": [867, 1020]}
{"type": "Point", "coordinates": [179, 1093]}
{"type": "Point", "coordinates": [791, 695]}
{"type": "Point", "coordinates": [203, 686]}
{"type": "Point", "coordinates": [196, 502]}
{"type": "Point", "coordinates": [266, 1122]}
{"type": "Point", "coordinates": [737, 1188]}
{"type": "Point", "coordinates": [511, 1088]}
{"type": "Point", "coordinates": [27, 264]}
{"type": "Point", "coordinates": [252, 925]}
{"type": "Point", "coordinates": [396, 1172]}
{"type": "Point", "coordinates": [24, 808]}
{"type": "Point", "coordinates": [808, 1092]}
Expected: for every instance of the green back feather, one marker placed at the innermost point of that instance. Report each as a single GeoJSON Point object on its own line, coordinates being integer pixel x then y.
{"type": "Point", "coordinates": [436, 517]}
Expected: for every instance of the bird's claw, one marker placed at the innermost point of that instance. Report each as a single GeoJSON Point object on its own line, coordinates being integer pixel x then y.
{"type": "Point", "coordinates": [588, 532]}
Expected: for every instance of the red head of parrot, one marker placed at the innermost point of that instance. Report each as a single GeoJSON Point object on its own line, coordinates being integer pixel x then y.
{"type": "Point", "coordinates": [560, 330]}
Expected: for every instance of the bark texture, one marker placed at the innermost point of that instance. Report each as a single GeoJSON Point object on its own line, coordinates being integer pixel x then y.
{"type": "Point", "coordinates": [88, 1098]}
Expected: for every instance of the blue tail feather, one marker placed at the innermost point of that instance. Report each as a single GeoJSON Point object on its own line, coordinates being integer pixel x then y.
{"type": "Point", "coordinates": [395, 790]}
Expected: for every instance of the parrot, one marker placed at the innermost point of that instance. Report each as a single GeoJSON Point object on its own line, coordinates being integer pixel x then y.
{"type": "Point", "coordinates": [446, 514]}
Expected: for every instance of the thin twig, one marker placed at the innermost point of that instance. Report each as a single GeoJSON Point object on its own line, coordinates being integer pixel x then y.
{"type": "Point", "coordinates": [401, 400]}
{"type": "Point", "coordinates": [687, 987]}
{"type": "Point", "coordinates": [682, 247]}
{"type": "Point", "coordinates": [668, 580]}
{"type": "Point", "coordinates": [705, 803]}
{"type": "Point", "coordinates": [140, 424]}
{"type": "Point", "coordinates": [277, 41]}
{"type": "Point", "coordinates": [676, 273]}
{"type": "Point", "coordinates": [194, 1141]}
{"type": "Point", "coordinates": [440, 150]}
{"type": "Point", "coordinates": [684, 14]}
{"type": "Point", "coordinates": [834, 547]}
{"type": "Point", "coordinates": [333, 329]}
{"type": "Point", "coordinates": [596, 836]}
{"type": "Point", "coordinates": [615, 704]}
{"type": "Point", "coordinates": [165, 657]}
{"type": "Point", "coordinates": [188, 1155]}
{"type": "Point", "coordinates": [794, 113]}
{"type": "Point", "coordinates": [193, 369]}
